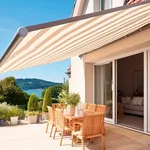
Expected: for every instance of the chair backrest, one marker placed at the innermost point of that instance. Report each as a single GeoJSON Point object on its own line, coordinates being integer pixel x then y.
{"type": "Point", "coordinates": [57, 105]}
{"type": "Point", "coordinates": [91, 107]}
{"type": "Point", "coordinates": [93, 124]}
{"type": "Point", "coordinates": [85, 105]}
{"type": "Point", "coordinates": [100, 108]}
{"type": "Point", "coordinates": [51, 114]}
{"type": "Point", "coordinates": [60, 122]}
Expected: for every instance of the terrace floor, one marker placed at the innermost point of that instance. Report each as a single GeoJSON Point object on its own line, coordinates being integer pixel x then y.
{"type": "Point", "coordinates": [33, 137]}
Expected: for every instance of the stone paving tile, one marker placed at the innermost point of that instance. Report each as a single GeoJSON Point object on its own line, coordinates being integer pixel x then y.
{"type": "Point", "coordinates": [33, 137]}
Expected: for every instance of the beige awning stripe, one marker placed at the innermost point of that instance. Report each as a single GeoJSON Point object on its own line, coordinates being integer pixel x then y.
{"type": "Point", "coordinates": [103, 35]}
{"type": "Point", "coordinates": [63, 39]}
{"type": "Point", "coordinates": [46, 58]}
{"type": "Point", "coordinates": [104, 23]}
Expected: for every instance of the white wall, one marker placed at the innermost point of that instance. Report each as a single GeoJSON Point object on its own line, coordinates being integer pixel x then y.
{"type": "Point", "coordinates": [89, 80]}
{"type": "Point", "coordinates": [117, 3]}
{"type": "Point", "coordinates": [77, 80]}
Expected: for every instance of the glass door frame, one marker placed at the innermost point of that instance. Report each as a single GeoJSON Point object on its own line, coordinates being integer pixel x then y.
{"type": "Point", "coordinates": [147, 88]}
{"type": "Point", "coordinates": [146, 69]}
{"type": "Point", "coordinates": [113, 120]}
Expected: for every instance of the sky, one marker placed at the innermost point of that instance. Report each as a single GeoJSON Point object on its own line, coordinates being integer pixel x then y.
{"type": "Point", "coordinates": [21, 13]}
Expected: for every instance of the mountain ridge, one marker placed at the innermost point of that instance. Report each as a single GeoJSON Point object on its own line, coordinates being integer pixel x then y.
{"type": "Point", "coordinates": [34, 83]}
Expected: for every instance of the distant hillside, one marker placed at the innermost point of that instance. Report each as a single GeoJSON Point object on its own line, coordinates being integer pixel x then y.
{"type": "Point", "coordinates": [26, 84]}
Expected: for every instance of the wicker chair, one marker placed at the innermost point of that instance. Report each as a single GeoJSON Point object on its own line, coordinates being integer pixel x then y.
{"type": "Point", "coordinates": [93, 125]}
{"type": "Point", "coordinates": [91, 107]}
{"type": "Point", "coordinates": [61, 124]}
{"type": "Point", "coordinates": [101, 108]}
{"type": "Point", "coordinates": [57, 105]}
{"type": "Point", "coordinates": [51, 119]}
{"type": "Point", "coordinates": [85, 105]}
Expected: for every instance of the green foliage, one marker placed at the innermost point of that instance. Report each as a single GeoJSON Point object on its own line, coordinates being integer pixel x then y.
{"type": "Point", "coordinates": [25, 84]}
{"type": "Point", "coordinates": [40, 103]}
{"type": "Point", "coordinates": [4, 111]}
{"type": "Point", "coordinates": [55, 90]}
{"type": "Point", "coordinates": [14, 111]}
{"type": "Point", "coordinates": [69, 98]}
{"type": "Point", "coordinates": [47, 101]}
{"type": "Point", "coordinates": [31, 113]}
{"type": "Point", "coordinates": [73, 99]}
{"type": "Point", "coordinates": [55, 100]}
{"type": "Point", "coordinates": [63, 95]}
{"type": "Point", "coordinates": [33, 103]}
{"type": "Point", "coordinates": [7, 111]}
{"type": "Point", "coordinates": [11, 93]}
{"type": "Point", "coordinates": [65, 87]}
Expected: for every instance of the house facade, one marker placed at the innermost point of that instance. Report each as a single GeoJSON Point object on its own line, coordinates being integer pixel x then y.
{"type": "Point", "coordinates": [116, 74]}
{"type": "Point", "coordinates": [109, 47]}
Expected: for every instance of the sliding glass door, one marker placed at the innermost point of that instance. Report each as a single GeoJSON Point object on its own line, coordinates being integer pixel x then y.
{"type": "Point", "coordinates": [103, 88]}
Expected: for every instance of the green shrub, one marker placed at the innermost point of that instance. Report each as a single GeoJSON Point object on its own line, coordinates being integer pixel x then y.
{"type": "Point", "coordinates": [33, 103]}
{"type": "Point", "coordinates": [31, 113]}
{"type": "Point", "coordinates": [55, 90]}
{"type": "Point", "coordinates": [4, 111]}
{"type": "Point", "coordinates": [7, 111]}
{"type": "Point", "coordinates": [47, 101]}
{"type": "Point", "coordinates": [55, 100]}
{"type": "Point", "coordinates": [73, 99]}
{"type": "Point", "coordinates": [40, 103]}
{"type": "Point", "coordinates": [22, 107]}
{"type": "Point", "coordinates": [14, 111]}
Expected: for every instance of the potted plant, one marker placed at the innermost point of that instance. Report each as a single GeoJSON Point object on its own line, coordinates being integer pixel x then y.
{"type": "Point", "coordinates": [72, 101]}
{"type": "Point", "coordinates": [32, 109]}
{"type": "Point", "coordinates": [47, 101]}
{"type": "Point", "coordinates": [14, 113]}
{"type": "Point", "coordinates": [32, 116]}
{"type": "Point", "coordinates": [4, 110]}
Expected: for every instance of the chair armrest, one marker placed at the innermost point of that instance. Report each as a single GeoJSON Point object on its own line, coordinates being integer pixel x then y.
{"type": "Point", "coordinates": [79, 123]}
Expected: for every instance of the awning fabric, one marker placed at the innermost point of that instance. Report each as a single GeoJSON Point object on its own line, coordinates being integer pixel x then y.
{"type": "Point", "coordinates": [63, 39]}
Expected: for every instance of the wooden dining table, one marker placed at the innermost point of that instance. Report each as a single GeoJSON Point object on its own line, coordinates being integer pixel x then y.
{"type": "Point", "coordinates": [73, 120]}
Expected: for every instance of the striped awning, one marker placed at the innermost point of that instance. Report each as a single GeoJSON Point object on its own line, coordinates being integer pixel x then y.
{"type": "Point", "coordinates": [63, 39]}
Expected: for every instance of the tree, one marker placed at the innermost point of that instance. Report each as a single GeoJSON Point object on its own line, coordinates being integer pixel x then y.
{"type": "Point", "coordinates": [65, 87]}
{"type": "Point", "coordinates": [33, 103]}
{"type": "Point", "coordinates": [55, 90]}
{"type": "Point", "coordinates": [47, 101]}
{"type": "Point", "coordinates": [64, 93]}
{"type": "Point", "coordinates": [11, 93]}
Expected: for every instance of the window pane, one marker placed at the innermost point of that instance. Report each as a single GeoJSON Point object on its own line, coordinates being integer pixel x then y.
{"type": "Point", "coordinates": [105, 4]}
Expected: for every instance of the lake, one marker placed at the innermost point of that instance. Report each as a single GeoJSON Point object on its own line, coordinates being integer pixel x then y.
{"type": "Point", "coordinates": [35, 91]}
